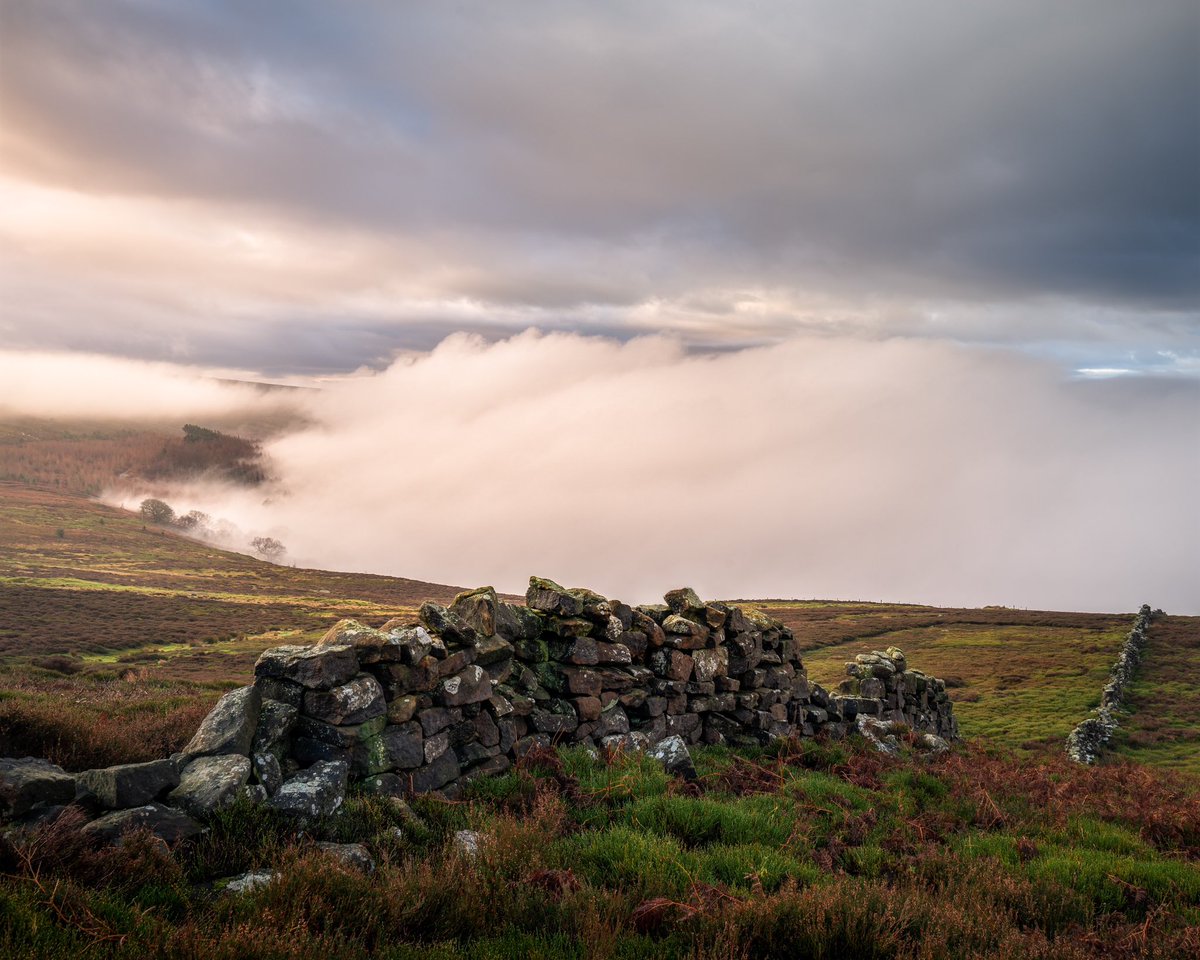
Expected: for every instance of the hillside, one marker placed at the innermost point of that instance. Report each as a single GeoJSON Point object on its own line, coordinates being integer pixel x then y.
{"type": "Point", "coordinates": [178, 620]}
{"type": "Point", "coordinates": [141, 627]}
{"type": "Point", "coordinates": [116, 638]}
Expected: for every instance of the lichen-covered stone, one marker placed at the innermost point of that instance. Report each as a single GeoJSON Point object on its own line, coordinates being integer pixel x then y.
{"type": "Point", "coordinates": [208, 784]}
{"type": "Point", "coordinates": [477, 608]}
{"type": "Point", "coordinates": [398, 747]}
{"type": "Point", "coordinates": [684, 602]}
{"type": "Point", "coordinates": [549, 597]}
{"type": "Point", "coordinates": [353, 855]}
{"type": "Point", "coordinates": [267, 771]}
{"type": "Point", "coordinates": [274, 728]}
{"type": "Point", "coordinates": [317, 668]}
{"type": "Point", "coordinates": [315, 792]}
{"type": "Point", "coordinates": [673, 754]}
{"type": "Point", "coordinates": [354, 702]}
{"type": "Point", "coordinates": [471, 685]}
{"type": "Point", "coordinates": [229, 727]}
{"type": "Point", "coordinates": [444, 623]}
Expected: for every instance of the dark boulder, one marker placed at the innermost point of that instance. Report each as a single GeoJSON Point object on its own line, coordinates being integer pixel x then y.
{"type": "Point", "coordinates": [317, 668]}
{"type": "Point", "coordinates": [30, 780]}
{"type": "Point", "coordinates": [164, 822]}
{"type": "Point", "coordinates": [127, 784]}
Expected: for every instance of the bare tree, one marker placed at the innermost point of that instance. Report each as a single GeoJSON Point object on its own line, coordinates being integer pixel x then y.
{"type": "Point", "coordinates": [268, 548]}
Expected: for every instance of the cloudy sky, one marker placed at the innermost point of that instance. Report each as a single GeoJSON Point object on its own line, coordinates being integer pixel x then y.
{"type": "Point", "coordinates": [305, 188]}
{"type": "Point", "coordinates": [875, 300]}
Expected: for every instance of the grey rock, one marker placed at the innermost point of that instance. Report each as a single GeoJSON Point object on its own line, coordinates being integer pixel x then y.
{"type": "Point", "coordinates": [317, 668]}
{"type": "Point", "coordinates": [251, 880]}
{"type": "Point", "coordinates": [208, 784]}
{"type": "Point", "coordinates": [369, 645]}
{"type": "Point", "coordinates": [164, 822]}
{"type": "Point", "coordinates": [275, 722]}
{"type": "Point", "coordinates": [549, 597]}
{"type": "Point", "coordinates": [477, 608]}
{"type": "Point", "coordinates": [684, 602]}
{"type": "Point", "coordinates": [28, 781]}
{"type": "Point", "coordinates": [128, 784]}
{"type": "Point", "coordinates": [315, 792]}
{"type": "Point", "coordinates": [710, 664]}
{"type": "Point", "coordinates": [267, 771]}
{"type": "Point", "coordinates": [470, 685]}
{"type": "Point", "coordinates": [284, 691]}
{"type": "Point", "coordinates": [353, 855]}
{"type": "Point", "coordinates": [932, 743]}
{"type": "Point", "coordinates": [398, 747]}
{"type": "Point", "coordinates": [673, 754]}
{"type": "Point", "coordinates": [229, 727]}
{"type": "Point", "coordinates": [435, 775]}
{"type": "Point", "coordinates": [467, 843]}
{"type": "Point", "coordinates": [446, 624]}
{"type": "Point", "coordinates": [418, 643]}
{"type": "Point", "coordinates": [436, 745]}
{"type": "Point", "coordinates": [346, 736]}
{"type": "Point", "coordinates": [878, 734]}
{"type": "Point", "coordinates": [355, 702]}
{"type": "Point", "coordinates": [255, 793]}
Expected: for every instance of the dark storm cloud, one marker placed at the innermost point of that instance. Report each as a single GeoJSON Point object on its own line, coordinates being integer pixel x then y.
{"type": "Point", "coordinates": [930, 149]}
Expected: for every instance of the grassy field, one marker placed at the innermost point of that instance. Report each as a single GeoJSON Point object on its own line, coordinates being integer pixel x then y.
{"type": "Point", "coordinates": [116, 638]}
{"type": "Point", "coordinates": [1022, 679]}
{"type": "Point", "coordinates": [139, 624]}
{"type": "Point", "coordinates": [812, 851]}
{"type": "Point", "coordinates": [140, 628]}
{"type": "Point", "coordinates": [1162, 724]}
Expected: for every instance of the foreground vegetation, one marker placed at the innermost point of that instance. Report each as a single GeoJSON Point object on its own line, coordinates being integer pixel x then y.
{"type": "Point", "coordinates": [117, 637]}
{"type": "Point", "coordinates": [810, 850]}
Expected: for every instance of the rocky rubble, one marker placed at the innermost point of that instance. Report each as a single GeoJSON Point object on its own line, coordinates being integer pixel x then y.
{"type": "Point", "coordinates": [1086, 742]}
{"type": "Point", "coordinates": [466, 690]}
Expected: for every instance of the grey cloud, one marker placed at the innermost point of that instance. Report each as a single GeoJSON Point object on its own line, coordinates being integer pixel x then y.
{"type": "Point", "coordinates": [927, 150]}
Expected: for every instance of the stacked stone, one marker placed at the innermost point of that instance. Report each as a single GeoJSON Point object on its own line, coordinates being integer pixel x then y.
{"type": "Point", "coordinates": [414, 707]}
{"type": "Point", "coordinates": [881, 686]}
{"type": "Point", "coordinates": [1089, 739]}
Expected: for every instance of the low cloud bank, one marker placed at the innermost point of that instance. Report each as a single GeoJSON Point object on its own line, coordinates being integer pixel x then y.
{"type": "Point", "coordinates": [74, 386]}
{"type": "Point", "coordinates": [899, 470]}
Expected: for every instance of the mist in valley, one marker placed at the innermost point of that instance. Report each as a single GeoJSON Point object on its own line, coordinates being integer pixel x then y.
{"type": "Point", "coordinates": [903, 470]}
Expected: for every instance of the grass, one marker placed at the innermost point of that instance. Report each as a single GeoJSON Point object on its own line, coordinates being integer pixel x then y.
{"type": "Point", "coordinates": [809, 850]}
{"type": "Point", "coordinates": [116, 638]}
{"type": "Point", "coordinates": [114, 584]}
{"type": "Point", "coordinates": [1162, 722]}
{"type": "Point", "coordinates": [1023, 679]}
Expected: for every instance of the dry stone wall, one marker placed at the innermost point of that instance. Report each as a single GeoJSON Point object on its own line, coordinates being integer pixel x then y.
{"type": "Point", "coordinates": [466, 690]}
{"type": "Point", "coordinates": [1088, 740]}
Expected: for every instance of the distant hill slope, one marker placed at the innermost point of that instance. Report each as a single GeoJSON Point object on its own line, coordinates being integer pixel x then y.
{"type": "Point", "coordinates": [102, 609]}
{"type": "Point", "coordinates": [80, 578]}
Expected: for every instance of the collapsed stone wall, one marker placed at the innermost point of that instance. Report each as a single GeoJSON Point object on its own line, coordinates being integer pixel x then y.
{"type": "Point", "coordinates": [1088, 740]}
{"type": "Point", "coordinates": [431, 705]}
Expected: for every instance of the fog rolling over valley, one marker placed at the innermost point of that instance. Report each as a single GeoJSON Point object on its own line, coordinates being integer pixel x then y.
{"type": "Point", "coordinates": [859, 301]}
{"type": "Point", "coordinates": [833, 468]}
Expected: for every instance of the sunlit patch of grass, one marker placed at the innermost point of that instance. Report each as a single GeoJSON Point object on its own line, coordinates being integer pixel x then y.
{"type": "Point", "coordinates": [1022, 686]}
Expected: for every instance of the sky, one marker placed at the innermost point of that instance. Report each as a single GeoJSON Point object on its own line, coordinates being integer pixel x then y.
{"type": "Point", "coordinates": [876, 300]}
{"type": "Point", "coordinates": [305, 188]}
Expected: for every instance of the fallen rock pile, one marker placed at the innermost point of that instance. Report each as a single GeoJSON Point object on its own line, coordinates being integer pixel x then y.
{"type": "Point", "coordinates": [463, 692]}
